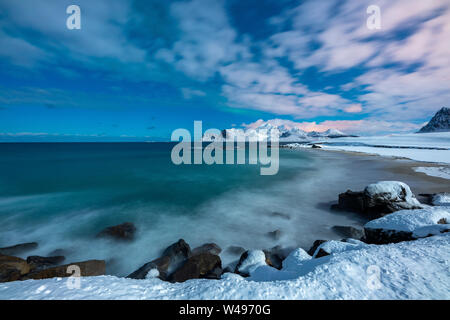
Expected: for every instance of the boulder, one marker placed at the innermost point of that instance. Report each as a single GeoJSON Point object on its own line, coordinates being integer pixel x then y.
{"type": "Point", "coordinates": [389, 196]}
{"type": "Point", "coordinates": [18, 249]}
{"type": "Point", "coordinates": [315, 146]}
{"type": "Point", "coordinates": [171, 258]}
{"type": "Point", "coordinates": [207, 248]}
{"type": "Point", "coordinates": [275, 235]}
{"type": "Point", "coordinates": [250, 260]}
{"type": "Point", "coordinates": [281, 215]}
{"type": "Point", "coordinates": [160, 264]}
{"type": "Point", "coordinates": [236, 250]}
{"type": "Point", "coordinates": [315, 245]}
{"type": "Point", "coordinates": [275, 257]}
{"type": "Point", "coordinates": [202, 265]}
{"type": "Point", "coordinates": [124, 231]}
{"type": "Point", "coordinates": [12, 268]}
{"type": "Point", "coordinates": [349, 232]}
{"type": "Point", "coordinates": [38, 263]}
{"type": "Point", "coordinates": [351, 201]}
{"type": "Point", "coordinates": [379, 199]}
{"type": "Point", "coordinates": [407, 225]}
{"type": "Point", "coordinates": [87, 269]}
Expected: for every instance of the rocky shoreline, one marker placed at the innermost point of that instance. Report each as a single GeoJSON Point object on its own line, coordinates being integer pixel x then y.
{"type": "Point", "coordinates": [396, 215]}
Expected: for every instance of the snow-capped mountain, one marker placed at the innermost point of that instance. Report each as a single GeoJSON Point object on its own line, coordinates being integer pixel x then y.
{"type": "Point", "coordinates": [284, 134]}
{"type": "Point", "coordinates": [439, 123]}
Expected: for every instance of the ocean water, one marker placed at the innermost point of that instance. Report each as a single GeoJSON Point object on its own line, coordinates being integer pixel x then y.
{"type": "Point", "coordinates": [62, 194]}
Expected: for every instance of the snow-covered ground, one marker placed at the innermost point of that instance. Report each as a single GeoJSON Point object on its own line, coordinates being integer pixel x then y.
{"type": "Point", "coordinates": [427, 147]}
{"type": "Point", "coordinates": [417, 269]}
{"type": "Point", "coordinates": [440, 172]}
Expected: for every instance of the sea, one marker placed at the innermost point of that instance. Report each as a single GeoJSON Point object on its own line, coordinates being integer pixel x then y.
{"type": "Point", "coordinates": [62, 195]}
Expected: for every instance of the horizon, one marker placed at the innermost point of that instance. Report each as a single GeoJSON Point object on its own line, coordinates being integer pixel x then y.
{"type": "Point", "coordinates": [137, 70]}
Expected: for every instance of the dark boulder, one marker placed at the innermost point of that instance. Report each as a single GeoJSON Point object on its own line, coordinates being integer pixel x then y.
{"type": "Point", "coordinates": [171, 258]}
{"type": "Point", "coordinates": [275, 257]}
{"type": "Point", "coordinates": [203, 265]}
{"type": "Point", "coordinates": [382, 236]}
{"type": "Point", "coordinates": [18, 249]}
{"type": "Point", "coordinates": [315, 245]}
{"type": "Point", "coordinates": [315, 146]}
{"type": "Point", "coordinates": [124, 231]}
{"type": "Point", "coordinates": [236, 250]}
{"type": "Point", "coordinates": [349, 232]}
{"type": "Point", "coordinates": [161, 264]}
{"type": "Point", "coordinates": [87, 269]}
{"type": "Point", "coordinates": [207, 248]}
{"type": "Point", "coordinates": [275, 235]}
{"type": "Point", "coordinates": [351, 201]}
{"type": "Point", "coordinates": [39, 263]}
{"type": "Point", "coordinates": [12, 268]}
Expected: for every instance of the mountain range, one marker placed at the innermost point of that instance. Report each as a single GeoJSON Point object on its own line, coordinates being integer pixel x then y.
{"type": "Point", "coordinates": [285, 134]}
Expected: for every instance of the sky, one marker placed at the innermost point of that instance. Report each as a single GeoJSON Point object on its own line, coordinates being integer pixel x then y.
{"type": "Point", "coordinates": [137, 70]}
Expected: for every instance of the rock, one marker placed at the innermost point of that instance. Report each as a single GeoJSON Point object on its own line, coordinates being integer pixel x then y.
{"type": "Point", "coordinates": [275, 257]}
{"type": "Point", "coordinates": [275, 235]}
{"type": "Point", "coordinates": [250, 260]}
{"type": "Point", "coordinates": [172, 257]}
{"type": "Point", "coordinates": [407, 225]}
{"type": "Point", "coordinates": [351, 201]}
{"type": "Point", "coordinates": [203, 265]}
{"type": "Point", "coordinates": [321, 253]}
{"type": "Point", "coordinates": [281, 215]}
{"type": "Point", "coordinates": [87, 269]}
{"type": "Point", "coordinates": [12, 268]}
{"type": "Point", "coordinates": [207, 248]}
{"type": "Point", "coordinates": [379, 199]}
{"type": "Point", "coordinates": [389, 196]}
{"type": "Point", "coordinates": [38, 263]}
{"type": "Point", "coordinates": [381, 236]}
{"type": "Point", "coordinates": [349, 232]}
{"type": "Point", "coordinates": [18, 249]}
{"type": "Point", "coordinates": [441, 199]}
{"type": "Point", "coordinates": [236, 250]}
{"type": "Point", "coordinates": [315, 146]}
{"type": "Point", "coordinates": [160, 264]}
{"type": "Point", "coordinates": [124, 231]}
{"type": "Point", "coordinates": [315, 245]}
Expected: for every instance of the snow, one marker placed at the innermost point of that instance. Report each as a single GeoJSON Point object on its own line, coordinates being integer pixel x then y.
{"type": "Point", "coordinates": [407, 270]}
{"type": "Point", "coordinates": [333, 246]}
{"type": "Point", "coordinates": [441, 199]}
{"type": "Point", "coordinates": [295, 259]}
{"type": "Point", "coordinates": [254, 259]}
{"type": "Point", "coordinates": [427, 147]}
{"type": "Point", "coordinates": [421, 222]}
{"type": "Point", "coordinates": [440, 172]}
{"type": "Point", "coordinates": [392, 191]}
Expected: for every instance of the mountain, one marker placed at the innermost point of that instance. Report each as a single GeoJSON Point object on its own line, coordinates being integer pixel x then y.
{"type": "Point", "coordinates": [285, 134]}
{"type": "Point", "coordinates": [439, 123]}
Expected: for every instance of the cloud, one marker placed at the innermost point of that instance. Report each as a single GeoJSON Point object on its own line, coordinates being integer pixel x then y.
{"type": "Point", "coordinates": [189, 93]}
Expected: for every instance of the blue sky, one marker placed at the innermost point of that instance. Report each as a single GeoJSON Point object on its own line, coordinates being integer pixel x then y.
{"type": "Point", "coordinates": [137, 70]}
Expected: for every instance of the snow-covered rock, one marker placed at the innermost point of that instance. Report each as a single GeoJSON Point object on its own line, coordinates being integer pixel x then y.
{"type": "Point", "coordinates": [441, 199]}
{"type": "Point", "coordinates": [250, 261]}
{"type": "Point", "coordinates": [379, 199]}
{"type": "Point", "coordinates": [295, 259]}
{"type": "Point", "coordinates": [408, 225]}
{"type": "Point", "coordinates": [333, 247]}
{"type": "Point", "coordinates": [389, 196]}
